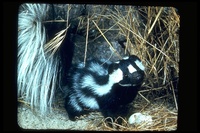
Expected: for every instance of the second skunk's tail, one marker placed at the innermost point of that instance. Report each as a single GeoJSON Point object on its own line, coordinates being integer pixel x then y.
{"type": "Point", "coordinates": [37, 73]}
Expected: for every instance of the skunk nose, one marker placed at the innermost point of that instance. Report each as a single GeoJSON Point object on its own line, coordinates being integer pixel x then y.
{"type": "Point", "coordinates": [138, 75]}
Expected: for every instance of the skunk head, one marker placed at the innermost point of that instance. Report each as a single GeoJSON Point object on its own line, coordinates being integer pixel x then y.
{"type": "Point", "coordinates": [132, 70]}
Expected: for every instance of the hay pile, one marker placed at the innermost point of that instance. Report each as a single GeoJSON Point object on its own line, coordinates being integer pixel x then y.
{"type": "Point", "coordinates": [151, 33]}
{"type": "Point", "coordinates": [163, 119]}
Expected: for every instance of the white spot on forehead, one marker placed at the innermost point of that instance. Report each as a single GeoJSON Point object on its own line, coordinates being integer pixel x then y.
{"type": "Point", "coordinates": [139, 64]}
{"type": "Point", "coordinates": [126, 57]}
{"type": "Point", "coordinates": [131, 69]}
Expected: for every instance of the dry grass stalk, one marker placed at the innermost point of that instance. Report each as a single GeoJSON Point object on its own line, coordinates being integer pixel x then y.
{"type": "Point", "coordinates": [53, 45]}
{"type": "Point", "coordinates": [86, 43]}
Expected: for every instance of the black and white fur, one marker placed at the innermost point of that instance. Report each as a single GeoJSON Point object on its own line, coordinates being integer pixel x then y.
{"type": "Point", "coordinates": [106, 87]}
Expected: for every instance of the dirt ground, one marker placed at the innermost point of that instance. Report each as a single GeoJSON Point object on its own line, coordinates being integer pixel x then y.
{"type": "Point", "coordinates": [57, 119]}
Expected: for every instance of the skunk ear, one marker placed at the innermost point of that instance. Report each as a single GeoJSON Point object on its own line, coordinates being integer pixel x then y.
{"type": "Point", "coordinates": [113, 67]}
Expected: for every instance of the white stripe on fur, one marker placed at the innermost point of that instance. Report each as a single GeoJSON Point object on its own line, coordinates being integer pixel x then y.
{"type": "Point", "coordinates": [89, 102]}
{"type": "Point", "coordinates": [95, 67]}
{"type": "Point", "coordinates": [73, 101]}
{"type": "Point", "coordinates": [88, 81]}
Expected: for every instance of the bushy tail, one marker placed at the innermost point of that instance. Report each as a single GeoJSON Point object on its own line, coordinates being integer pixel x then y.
{"type": "Point", "coordinates": [37, 73]}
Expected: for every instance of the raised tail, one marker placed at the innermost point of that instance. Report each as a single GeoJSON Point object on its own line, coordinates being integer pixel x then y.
{"type": "Point", "coordinates": [37, 73]}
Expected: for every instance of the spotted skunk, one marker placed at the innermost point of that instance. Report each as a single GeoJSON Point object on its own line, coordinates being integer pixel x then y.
{"type": "Point", "coordinates": [103, 86]}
